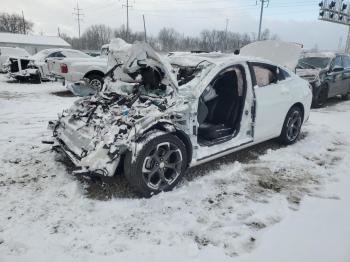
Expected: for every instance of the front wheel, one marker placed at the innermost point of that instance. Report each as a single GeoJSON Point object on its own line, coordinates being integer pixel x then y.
{"type": "Point", "coordinates": [158, 166]}
{"type": "Point", "coordinates": [321, 98]}
{"type": "Point", "coordinates": [346, 96]}
{"type": "Point", "coordinates": [292, 126]}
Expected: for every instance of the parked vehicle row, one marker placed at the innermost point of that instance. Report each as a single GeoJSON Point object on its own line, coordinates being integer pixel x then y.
{"type": "Point", "coordinates": [328, 73]}
{"type": "Point", "coordinates": [159, 115]}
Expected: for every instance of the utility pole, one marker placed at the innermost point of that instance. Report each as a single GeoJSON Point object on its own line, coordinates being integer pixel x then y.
{"type": "Point", "coordinates": [78, 14]}
{"type": "Point", "coordinates": [144, 27]}
{"type": "Point", "coordinates": [336, 11]}
{"type": "Point", "coordinates": [263, 2]}
{"type": "Point", "coordinates": [24, 23]}
{"type": "Point", "coordinates": [58, 32]}
{"type": "Point", "coordinates": [127, 19]}
{"type": "Point", "coordinates": [225, 47]}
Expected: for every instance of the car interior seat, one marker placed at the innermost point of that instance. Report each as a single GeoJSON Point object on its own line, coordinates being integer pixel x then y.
{"type": "Point", "coordinates": [217, 116]}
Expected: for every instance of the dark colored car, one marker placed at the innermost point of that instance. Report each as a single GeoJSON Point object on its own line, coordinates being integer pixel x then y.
{"type": "Point", "coordinates": [328, 73]}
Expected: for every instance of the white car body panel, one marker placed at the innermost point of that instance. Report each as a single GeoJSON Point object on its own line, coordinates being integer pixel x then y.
{"type": "Point", "coordinates": [77, 70]}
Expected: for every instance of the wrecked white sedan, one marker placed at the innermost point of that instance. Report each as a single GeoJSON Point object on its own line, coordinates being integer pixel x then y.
{"type": "Point", "coordinates": [163, 115]}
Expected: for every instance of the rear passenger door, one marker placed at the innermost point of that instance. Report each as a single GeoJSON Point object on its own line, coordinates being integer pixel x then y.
{"type": "Point", "coordinates": [272, 99]}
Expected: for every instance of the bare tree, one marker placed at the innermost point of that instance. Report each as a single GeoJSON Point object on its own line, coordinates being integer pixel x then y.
{"type": "Point", "coordinates": [14, 23]}
{"type": "Point", "coordinates": [169, 39]}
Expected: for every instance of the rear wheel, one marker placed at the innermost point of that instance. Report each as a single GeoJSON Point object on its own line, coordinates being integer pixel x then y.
{"type": "Point", "coordinates": [95, 81]}
{"type": "Point", "coordinates": [37, 78]}
{"type": "Point", "coordinates": [321, 99]}
{"type": "Point", "coordinates": [292, 126]}
{"type": "Point", "coordinates": [158, 166]}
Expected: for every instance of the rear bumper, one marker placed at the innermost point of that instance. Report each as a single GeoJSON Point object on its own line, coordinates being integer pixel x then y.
{"type": "Point", "coordinates": [81, 88]}
{"type": "Point", "coordinates": [74, 76]}
{"type": "Point", "coordinates": [25, 74]}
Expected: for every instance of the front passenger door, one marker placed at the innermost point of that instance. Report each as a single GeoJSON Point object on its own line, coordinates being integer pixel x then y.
{"type": "Point", "coordinates": [336, 77]}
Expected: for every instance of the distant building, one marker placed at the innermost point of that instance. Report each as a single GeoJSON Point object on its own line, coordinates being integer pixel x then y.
{"type": "Point", "coordinates": [32, 43]}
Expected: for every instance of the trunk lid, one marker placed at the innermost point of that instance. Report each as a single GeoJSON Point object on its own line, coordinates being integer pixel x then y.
{"type": "Point", "coordinates": [282, 53]}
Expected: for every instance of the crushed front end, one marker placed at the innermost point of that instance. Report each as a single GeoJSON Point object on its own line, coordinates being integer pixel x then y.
{"type": "Point", "coordinates": [96, 131]}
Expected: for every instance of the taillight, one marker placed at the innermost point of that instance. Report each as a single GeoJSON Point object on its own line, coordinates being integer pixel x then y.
{"type": "Point", "coordinates": [64, 69]}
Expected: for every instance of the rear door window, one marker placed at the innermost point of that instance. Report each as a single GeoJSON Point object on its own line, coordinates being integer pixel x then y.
{"type": "Point", "coordinates": [282, 74]}
{"type": "Point", "coordinates": [265, 75]}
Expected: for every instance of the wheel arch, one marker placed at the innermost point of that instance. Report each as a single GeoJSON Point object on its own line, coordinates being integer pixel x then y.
{"type": "Point", "coordinates": [301, 107]}
{"type": "Point", "coordinates": [94, 72]}
{"type": "Point", "coordinates": [171, 129]}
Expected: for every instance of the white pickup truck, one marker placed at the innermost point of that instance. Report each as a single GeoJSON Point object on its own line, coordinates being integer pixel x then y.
{"type": "Point", "coordinates": [73, 70]}
{"type": "Point", "coordinates": [38, 67]}
{"type": "Point", "coordinates": [6, 52]}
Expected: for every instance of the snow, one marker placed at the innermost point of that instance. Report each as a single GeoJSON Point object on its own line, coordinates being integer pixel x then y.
{"type": "Point", "coordinates": [267, 203]}
{"type": "Point", "coordinates": [32, 39]}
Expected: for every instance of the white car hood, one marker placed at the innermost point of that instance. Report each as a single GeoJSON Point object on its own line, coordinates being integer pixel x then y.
{"type": "Point", "coordinates": [282, 53]}
{"type": "Point", "coordinates": [307, 72]}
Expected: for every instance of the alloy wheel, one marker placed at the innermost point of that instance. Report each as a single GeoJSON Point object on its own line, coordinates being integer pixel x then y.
{"type": "Point", "coordinates": [294, 125]}
{"type": "Point", "coordinates": [96, 84]}
{"type": "Point", "coordinates": [162, 166]}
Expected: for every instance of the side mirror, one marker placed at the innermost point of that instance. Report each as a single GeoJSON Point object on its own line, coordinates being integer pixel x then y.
{"type": "Point", "coordinates": [337, 69]}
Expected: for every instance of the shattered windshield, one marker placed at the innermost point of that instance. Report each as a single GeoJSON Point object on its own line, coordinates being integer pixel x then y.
{"type": "Point", "coordinates": [313, 62]}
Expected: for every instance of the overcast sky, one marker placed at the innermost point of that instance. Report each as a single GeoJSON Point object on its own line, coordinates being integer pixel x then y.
{"type": "Point", "coordinates": [295, 21]}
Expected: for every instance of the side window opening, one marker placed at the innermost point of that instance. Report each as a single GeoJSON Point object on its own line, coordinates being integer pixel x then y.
{"type": "Point", "coordinates": [265, 75]}
{"type": "Point", "coordinates": [346, 61]}
{"type": "Point", "coordinates": [221, 105]}
{"type": "Point", "coordinates": [56, 54]}
{"type": "Point", "coordinates": [337, 62]}
{"type": "Point", "coordinates": [282, 74]}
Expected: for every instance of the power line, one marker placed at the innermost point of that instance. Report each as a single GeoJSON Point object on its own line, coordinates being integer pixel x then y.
{"type": "Point", "coordinates": [78, 14]}
{"type": "Point", "coordinates": [144, 27]}
{"type": "Point", "coordinates": [127, 18]}
{"type": "Point", "coordinates": [263, 2]}
{"type": "Point", "coordinates": [24, 23]}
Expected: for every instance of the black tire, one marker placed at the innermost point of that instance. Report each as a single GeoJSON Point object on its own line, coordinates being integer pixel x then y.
{"type": "Point", "coordinates": [346, 96]}
{"type": "Point", "coordinates": [95, 81]}
{"type": "Point", "coordinates": [36, 79]}
{"type": "Point", "coordinates": [321, 98]}
{"type": "Point", "coordinates": [150, 171]}
{"type": "Point", "coordinates": [292, 126]}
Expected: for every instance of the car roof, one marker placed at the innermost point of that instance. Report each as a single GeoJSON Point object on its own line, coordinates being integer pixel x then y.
{"type": "Point", "coordinates": [217, 58]}
{"type": "Point", "coordinates": [320, 54]}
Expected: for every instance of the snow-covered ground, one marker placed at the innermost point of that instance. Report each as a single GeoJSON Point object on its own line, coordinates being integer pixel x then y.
{"type": "Point", "coordinates": [266, 203]}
